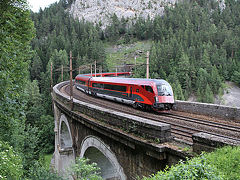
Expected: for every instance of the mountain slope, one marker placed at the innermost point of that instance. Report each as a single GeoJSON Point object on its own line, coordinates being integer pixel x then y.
{"type": "Point", "coordinates": [102, 10]}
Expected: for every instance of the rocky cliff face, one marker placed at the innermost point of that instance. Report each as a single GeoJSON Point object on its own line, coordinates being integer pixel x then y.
{"type": "Point", "coordinates": [102, 10]}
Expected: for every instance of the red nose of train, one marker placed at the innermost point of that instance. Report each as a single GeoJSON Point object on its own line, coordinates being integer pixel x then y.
{"type": "Point", "coordinates": [165, 99]}
{"type": "Point", "coordinates": [163, 102]}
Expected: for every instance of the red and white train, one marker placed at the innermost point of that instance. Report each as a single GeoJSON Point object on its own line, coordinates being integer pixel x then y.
{"type": "Point", "coordinates": [156, 94]}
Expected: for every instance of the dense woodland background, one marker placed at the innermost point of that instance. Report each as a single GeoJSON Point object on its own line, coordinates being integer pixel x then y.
{"type": "Point", "coordinates": [195, 46]}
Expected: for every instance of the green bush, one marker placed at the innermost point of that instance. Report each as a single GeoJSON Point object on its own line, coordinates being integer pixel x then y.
{"type": "Point", "coordinates": [10, 163]}
{"type": "Point", "coordinates": [39, 172]}
{"type": "Point", "coordinates": [194, 169]}
{"type": "Point", "coordinates": [227, 161]}
{"type": "Point", "coordinates": [84, 170]}
{"type": "Point", "coordinates": [224, 163]}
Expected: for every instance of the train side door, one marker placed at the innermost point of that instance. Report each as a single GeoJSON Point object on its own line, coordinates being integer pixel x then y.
{"type": "Point", "coordinates": [131, 91]}
{"type": "Point", "coordinates": [130, 94]}
{"type": "Point", "coordinates": [88, 85]}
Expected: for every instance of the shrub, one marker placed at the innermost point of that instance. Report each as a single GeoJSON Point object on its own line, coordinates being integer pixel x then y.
{"type": "Point", "coordinates": [39, 172]}
{"type": "Point", "coordinates": [83, 170]}
{"type": "Point", "coordinates": [10, 163]}
{"type": "Point", "coordinates": [194, 169]}
{"type": "Point", "coordinates": [224, 163]}
{"type": "Point", "coordinates": [227, 161]}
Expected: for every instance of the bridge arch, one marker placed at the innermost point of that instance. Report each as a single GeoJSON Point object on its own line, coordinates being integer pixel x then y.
{"type": "Point", "coordinates": [97, 151]}
{"type": "Point", "coordinates": [65, 137]}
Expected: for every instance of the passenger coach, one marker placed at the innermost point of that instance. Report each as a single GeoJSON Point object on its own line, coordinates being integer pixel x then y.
{"type": "Point", "coordinates": [144, 93]}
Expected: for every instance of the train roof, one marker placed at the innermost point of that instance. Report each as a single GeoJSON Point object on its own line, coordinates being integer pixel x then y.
{"type": "Point", "coordinates": [109, 74]}
{"type": "Point", "coordinates": [135, 81]}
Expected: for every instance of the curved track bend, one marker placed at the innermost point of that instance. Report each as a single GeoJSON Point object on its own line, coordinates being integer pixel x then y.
{"type": "Point", "coordinates": [182, 127]}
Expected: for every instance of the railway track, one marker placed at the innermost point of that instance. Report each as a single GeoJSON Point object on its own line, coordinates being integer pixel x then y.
{"type": "Point", "coordinates": [234, 131]}
{"type": "Point", "coordinates": [182, 127]}
{"type": "Point", "coordinates": [205, 122]}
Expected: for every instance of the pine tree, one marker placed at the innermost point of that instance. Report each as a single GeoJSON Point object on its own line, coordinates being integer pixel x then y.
{"type": "Point", "coordinates": [208, 95]}
{"type": "Point", "coordinates": [199, 95]}
{"type": "Point", "coordinates": [202, 80]}
{"type": "Point", "coordinates": [236, 77]}
{"type": "Point", "coordinates": [205, 61]}
{"type": "Point", "coordinates": [178, 92]}
{"type": "Point", "coordinates": [36, 67]}
{"type": "Point", "coordinates": [183, 74]}
{"type": "Point", "coordinates": [215, 80]}
{"type": "Point", "coordinates": [59, 59]}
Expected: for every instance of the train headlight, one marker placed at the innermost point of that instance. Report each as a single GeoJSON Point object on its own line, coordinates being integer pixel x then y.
{"type": "Point", "coordinates": [156, 99]}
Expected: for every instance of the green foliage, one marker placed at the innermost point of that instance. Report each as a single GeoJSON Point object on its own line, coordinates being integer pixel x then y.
{"type": "Point", "coordinates": [189, 38]}
{"type": "Point", "coordinates": [195, 169]}
{"type": "Point", "coordinates": [126, 53]}
{"type": "Point", "coordinates": [178, 94]}
{"type": "Point", "coordinates": [236, 77]}
{"type": "Point", "coordinates": [227, 161]}
{"type": "Point", "coordinates": [16, 32]}
{"type": "Point", "coordinates": [36, 67]}
{"type": "Point", "coordinates": [37, 118]}
{"type": "Point", "coordinates": [30, 152]}
{"type": "Point", "coordinates": [113, 31]}
{"type": "Point", "coordinates": [34, 101]}
{"type": "Point", "coordinates": [20, 100]}
{"type": "Point", "coordinates": [39, 172]}
{"type": "Point", "coordinates": [59, 59]}
{"type": "Point", "coordinates": [10, 163]}
{"type": "Point", "coordinates": [208, 95]}
{"type": "Point", "coordinates": [215, 80]}
{"type": "Point", "coordinates": [58, 31]}
{"type": "Point", "coordinates": [197, 41]}
{"type": "Point", "coordinates": [223, 163]}
{"type": "Point", "coordinates": [83, 170]}
{"type": "Point", "coordinates": [46, 134]}
{"type": "Point", "coordinates": [46, 160]}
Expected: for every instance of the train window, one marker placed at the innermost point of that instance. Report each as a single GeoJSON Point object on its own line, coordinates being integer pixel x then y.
{"type": "Point", "coordinates": [164, 90]}
{"type": "Point", "coordinates": [108, 86]}
{"type": "Point", "coordinates": [80, 82]}
{"type": "Point", "coordinates": [137, 90]}
{"type": "Point", "coordinates": [142, 86]}
{"type": "Point", "coordinates": [121, 88]}
{"type": "Point", "coordinates": [97, 85]}
{"type": "Point", "coordinates": [149, 89]}
{"type": "Point", "coordinates": [115, 87]}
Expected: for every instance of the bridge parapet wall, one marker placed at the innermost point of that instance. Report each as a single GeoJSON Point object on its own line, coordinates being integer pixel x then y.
{"type": "Point", "coordinates": [207, 142]}
{"type": "Point", "coordinates": [226, 112]}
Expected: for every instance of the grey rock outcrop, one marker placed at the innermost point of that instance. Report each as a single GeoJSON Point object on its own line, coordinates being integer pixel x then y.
{"type": "Point", "coordinates": [102, 10]}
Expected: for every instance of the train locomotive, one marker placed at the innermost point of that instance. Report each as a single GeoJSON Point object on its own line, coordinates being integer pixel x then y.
{"type": "Point", "coordinates": [156, 94]}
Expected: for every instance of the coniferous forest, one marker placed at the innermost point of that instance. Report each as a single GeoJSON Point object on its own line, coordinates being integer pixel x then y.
{"type": "Point", "coordinates": [195, 46]}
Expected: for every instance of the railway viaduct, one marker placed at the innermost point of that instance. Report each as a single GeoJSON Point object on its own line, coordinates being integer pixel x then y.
{"type": "Point", "coordinates": [124, 146]}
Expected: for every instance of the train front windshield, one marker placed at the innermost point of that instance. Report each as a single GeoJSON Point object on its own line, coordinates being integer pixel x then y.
{"type": "Point", "coordinates": [164, 90]}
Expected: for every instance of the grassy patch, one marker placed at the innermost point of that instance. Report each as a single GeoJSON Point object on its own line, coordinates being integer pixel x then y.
{"type": "Point", "coordinates": [118, 55]}
{"type": "Point", "coordinates": [47, 160]}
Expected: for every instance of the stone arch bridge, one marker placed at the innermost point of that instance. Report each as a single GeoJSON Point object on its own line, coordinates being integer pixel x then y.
{"type": "Point", "coordinates": [124, 146]}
